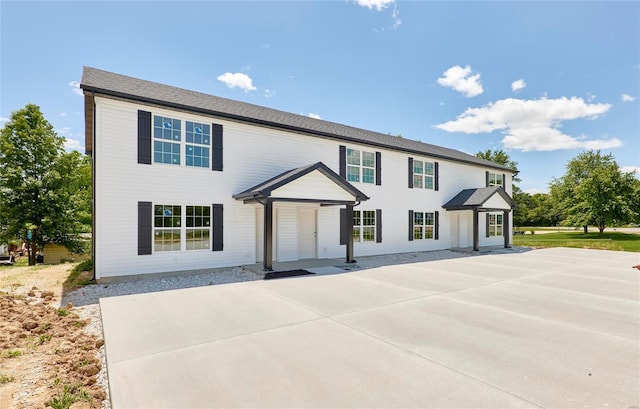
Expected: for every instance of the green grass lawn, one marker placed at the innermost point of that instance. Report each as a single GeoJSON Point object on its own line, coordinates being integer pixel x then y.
{"type": "Point", "coordinates": [577, 239]}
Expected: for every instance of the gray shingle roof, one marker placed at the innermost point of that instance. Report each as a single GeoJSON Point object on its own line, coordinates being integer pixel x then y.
{"type": "Point", "coordinates": [264, 189]}
{"type": "Point", "coordinates": [470, 198]}
{"type": "Point", "coordinates": [108, 83]}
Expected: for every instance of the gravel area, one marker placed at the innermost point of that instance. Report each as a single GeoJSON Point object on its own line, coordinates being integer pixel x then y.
{"type": "Point", "coordinates": [85, 299]}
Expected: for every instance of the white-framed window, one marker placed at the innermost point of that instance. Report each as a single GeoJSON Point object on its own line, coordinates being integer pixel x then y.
{"type": "Point", "coordinates": [364, 226]}
{"type": "Point", "coordinates": [172, 223]}
{"type": "Point", "coordinates": [167, 220]}
{"type": "Point", "coordinates": [496, 179]}
{"type": "Point", "coordinates": [423, 172]}
{"type": "Point", "coordinates": [495, 224]}
{"type": "Point", "coordinates": [167, 137]}
{"type": "Point", "coordinates": [423, 225]}
{"type": "Point", "coordinates": [169, 142]}
{"type": "Point", "coordinates": [361, 166]}
{"type": "Point", "coordinates": [198, 140]}
{"type": "Point", "coordinates": [198, 225]}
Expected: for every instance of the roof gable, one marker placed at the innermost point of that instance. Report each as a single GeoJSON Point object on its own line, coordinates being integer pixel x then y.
{"type": "Point", "coordinates": [484, 197]}
{"type": "Point", "coordinates": [280, 185]}
{"type": "Point", "coordinates": [121, 86]}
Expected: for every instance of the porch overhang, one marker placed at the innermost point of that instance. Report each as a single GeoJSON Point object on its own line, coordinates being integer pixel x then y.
{"type": "Point", "coordinates": [484, 199]}
{"type": "Point", "coordinates": [315, 183]}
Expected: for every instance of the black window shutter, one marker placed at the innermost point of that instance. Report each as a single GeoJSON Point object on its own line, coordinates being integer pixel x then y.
{"type": "Point", "coordinates": [145, 227]}
{"type": "Point", "coordinates": [343, 163]}
{"type": "Point", "coordinates": [144, 137]}
{"type": "Point", "coordinates": [343, 226]}
{"type": "Point", "coordinates": [436, 227]}
{"type": "Point", "coordinates": [436, 184]}
{"type": "Point", "coordinates": [487, 179]}
{"type": "Point", "coordinates": [410, 225]}
{"type": "Point", "coordinates": [504, 180]}
{"type": "Point", "coordinates": [411, 175]}
{"type": "Point", "coordinates": [487, 230]}
{"type": "Point", "coordinates": [218, 221]}
{"type": "Point", "coordinates": [378, 168]}
{"type": "Point", "coordinates": [216, 147]}
{"type": "Point", "coordinates": [378, 225]}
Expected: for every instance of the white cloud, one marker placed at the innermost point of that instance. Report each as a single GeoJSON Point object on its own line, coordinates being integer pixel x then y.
{"type": "Point", "coordinates": [535, 190]}
{"type": "Point", "coordinates": [532, 125]}
{"type": "Point", "coordinates": [63, 114]}
{"type": "Point", "coordinates": [71, 141]}
{"type": "Point", "coordinates": [517, 85]}
{"type": "Point", "coordinates": [374, 4]}
{"type": "Point", "coordinates": [462, 81]}
{"type": "Point", "coordinates": [237, 80]}
{"type": "Point", "coordinates": [3, 119]}
{"type": "Point", "coordinates": [268, 93]}
{"type": "Point", "coordinates": [312, 115]}
{"type": "Point", "coordinates": [75, 86]}
{"type": "Point", "coordinates": [590, 97]}
{"type": "Point", "coordinates": [396, 17]}
{"type": "Point", "coordinates": [627, 98]}
{"type": "Point", "coordinates": [73, 145]}
{"type": "Point", "coordinates": [635, 169]}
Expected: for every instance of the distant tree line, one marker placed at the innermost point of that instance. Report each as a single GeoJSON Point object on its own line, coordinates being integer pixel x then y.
{"type": "Point", "coordinates": [593, 192]}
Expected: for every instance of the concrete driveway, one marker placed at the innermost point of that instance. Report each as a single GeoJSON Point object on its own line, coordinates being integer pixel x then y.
{"type": "Point", "coordinates": [552, 328]}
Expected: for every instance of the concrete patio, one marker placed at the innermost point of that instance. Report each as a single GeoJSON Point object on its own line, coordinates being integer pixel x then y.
{"type": "Point", "coordinates": [544, 328]}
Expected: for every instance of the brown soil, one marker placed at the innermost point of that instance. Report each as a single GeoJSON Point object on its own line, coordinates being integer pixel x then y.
{"type": "Point", "coordinates": [46, 357]}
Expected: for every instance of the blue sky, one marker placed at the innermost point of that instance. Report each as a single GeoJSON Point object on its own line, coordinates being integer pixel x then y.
{"type": "Point", "coordinates": [541, 80]}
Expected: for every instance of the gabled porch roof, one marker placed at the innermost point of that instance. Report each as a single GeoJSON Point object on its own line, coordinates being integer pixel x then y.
{"type": "Point", "coordinates": [482, 199]}
{"type": "Point", "coordinates": [276, 188]}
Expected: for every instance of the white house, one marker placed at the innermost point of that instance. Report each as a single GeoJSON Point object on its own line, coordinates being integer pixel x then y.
{"type": "Point", "coordinates": [186, 181]}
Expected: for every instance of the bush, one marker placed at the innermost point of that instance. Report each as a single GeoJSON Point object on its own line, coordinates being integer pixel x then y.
{"type": "Point", "coordinates": [86, 265]}
{"type": "Point", "coordinates": [532, 232]}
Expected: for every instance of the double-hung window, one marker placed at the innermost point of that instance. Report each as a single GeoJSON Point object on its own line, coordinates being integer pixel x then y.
{"type": "Point", "coordinates": [496, 179]}
{"type": "Point", "coordinates": [423, 174]}
{"type": "Point", "coordinates": [361, 166]}
{"type": "Point", "coordinates": [167, 227]}
{"type": "Point", "coordinates": [495, 224]}
{"type": "Point", "coordinates": [167, 136]}
{"type": "Point", "coordinates": [198, 227]}
{"type": "Point", "coordinates": [198, 140]}
{"type": "Point", "coordinates": [364, 225]}
{"type": "Point", "coordinates": [423, 225]}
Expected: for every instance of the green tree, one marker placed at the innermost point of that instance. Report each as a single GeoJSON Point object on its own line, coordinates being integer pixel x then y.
{"type": "Point", "coordinates": [43, 189]}
{"type": "Point", "coordinates": [594, 191]}
{"type": "Point", "coordinates": [502, 158]}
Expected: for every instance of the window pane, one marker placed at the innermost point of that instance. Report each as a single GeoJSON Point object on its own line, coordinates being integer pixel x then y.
{"type": "Point", "coordinates": [368, 218]}
{"type": "Point", "coordinates": [428, 181]}
{"type": "Point", "coordinates": [353, 157]}
{"type": "Point", "coordinates": [499, 219]}
{"type": "Point", "coordinates": [428, 232]}
{"type": "Point", "coordinates": [498, 230]}
{"type": "Point", "coordinates": [417, 181]}
{"type": "Point", "coordinates": [417, 167]}
{"type": "Point", "coordinates": [499, 180]}
{"type": "Point", "coordinates": [428, 168]}
{"type": "Point", "coordinates": [166, 240]}
{"type": "Point", "coordinates": [417, 232]}
{"type": "Point", "coordinates": [356, 218]}
{"type": "Point", "coordinates": [428, 219]}
{"type": "Point", "coordinates": [197, 239]}
{"type": "Point", "coordinates": [368, 234]}
{"type": "Point", "coordinates": [418, 218]}
{"type": "Point", "coordinates": [356, 234]}
{"type": "Point", "coordinates": [353, 174]}
{"type": "Point", "coordinates": [369, 159]}
{"type": "Point", "coordinates": [368, 175]}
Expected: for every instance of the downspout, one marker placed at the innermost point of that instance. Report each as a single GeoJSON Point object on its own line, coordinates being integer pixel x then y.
{"type": "Point", "coordinates": [93, 188]}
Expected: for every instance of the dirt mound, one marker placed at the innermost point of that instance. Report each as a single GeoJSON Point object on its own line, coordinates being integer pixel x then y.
{"type": "Point", "coordinates": [46, 358]}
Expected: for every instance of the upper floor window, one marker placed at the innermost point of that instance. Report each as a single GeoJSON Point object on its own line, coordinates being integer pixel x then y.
{"type": "Point", "coordinates": [495, 224]}
{"type": "Point", "coordinates": [423, 173]}
{"type": "Point", "coordinates": [198, 140]}
{"type": "Point", "coordinates": [496, 179]}
{"type": "Point", "coordinates": [167, 136]}
{"type": "Point", "coordinates": [423, 225]}
{"type": "Point", "coordinates": [364, 225]}
{"type": "Point", "coordinates": [361, 166]}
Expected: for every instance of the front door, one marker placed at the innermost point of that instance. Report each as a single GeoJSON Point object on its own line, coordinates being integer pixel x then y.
{"type": "Point", "coordinates": [307, 233]}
